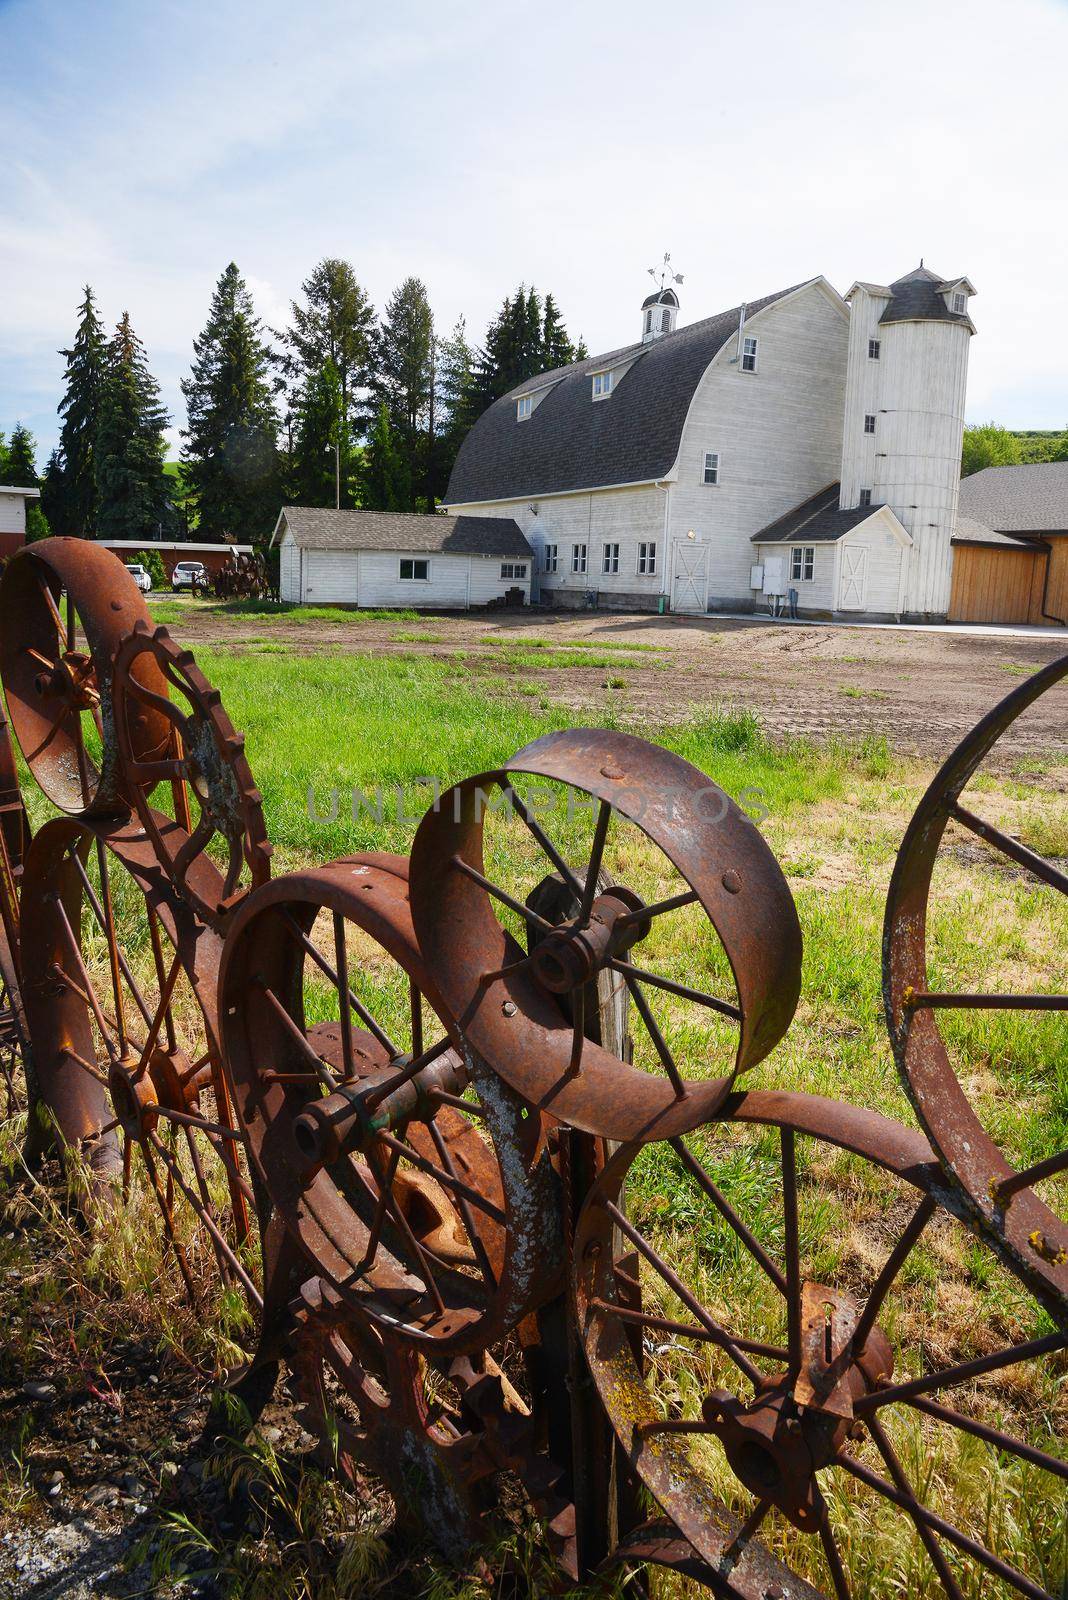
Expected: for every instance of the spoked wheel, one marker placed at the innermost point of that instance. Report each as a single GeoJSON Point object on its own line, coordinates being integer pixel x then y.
{"type": "Point", "coordinates": [691, 873]}
{"type": "Point", "coordinates": [17, 1083]}
{"type": "Point", "coordinates": [436, 1435]}
{"type": "Point", "coordinates": [416, 1182]}
{"type": "Point", "coordinates": [67, 603]}
{"type": "Point", "coordinates": [1019, 1205]}
{"type": "Point", "coordinates": [818, 1417]}
{"type": "Point", "coordinates": [211, 790]}
{"type": "Point", "coordinates": [120, 1003]}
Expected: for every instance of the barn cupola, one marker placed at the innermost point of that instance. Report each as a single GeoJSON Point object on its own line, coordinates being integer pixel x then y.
{"type": "Point", "coordinates": [660, 311]}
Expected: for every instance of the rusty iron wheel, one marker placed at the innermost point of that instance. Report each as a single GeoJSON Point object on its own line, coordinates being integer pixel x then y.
{"type": "Point", "coordinates": [419, 1186]}
{"type": "Point", "coordinates": [438, 1435]}
{"type": "Point", "coordinates": [120, 1000]}
{"type": "Point", "coordinates": [767, 1374]}
{"type": "Point", "coordinates": [1021, 1211]}
{"type": "Point", "coordinates": [66, 604]}
{"type": "Point", "coordinates": [203, 768]}
{"type": "Point", "coordinates": [19, 1085]}
{"type": "Point", "coordinates": [708, 875]}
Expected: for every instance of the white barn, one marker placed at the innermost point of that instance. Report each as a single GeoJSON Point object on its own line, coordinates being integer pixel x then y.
{"type": "Point", "coordinates": [805, 445]}
{"type": "Point", "coordinates": [398, 558]}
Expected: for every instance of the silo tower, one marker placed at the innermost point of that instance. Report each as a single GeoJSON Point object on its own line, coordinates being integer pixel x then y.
{"type": "Point", "coordinates": [904, 417]}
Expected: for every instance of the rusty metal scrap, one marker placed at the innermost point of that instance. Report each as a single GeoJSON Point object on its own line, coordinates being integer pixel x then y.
{"type": "Point", "coordinates": [382, 1099]}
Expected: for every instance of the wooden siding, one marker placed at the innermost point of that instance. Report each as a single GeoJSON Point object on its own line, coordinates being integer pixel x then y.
{"type": "Point", "coordinates": [289, 569]}
{"type": "Point", "coordinates": [1057, 588]}
{"type": "Point", "coordinates": [372, 578]}
{"type": "Point", "coordinates": [995, 584]}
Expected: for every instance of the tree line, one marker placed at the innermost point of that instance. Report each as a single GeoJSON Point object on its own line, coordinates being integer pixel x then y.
{"type": "Point", "coordinates": [987, 444]}
{"type": "Point", "coordinates": [342, 407]}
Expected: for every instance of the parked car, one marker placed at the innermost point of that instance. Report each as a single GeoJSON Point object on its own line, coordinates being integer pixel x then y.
{"type": "Point", "coordinates": [190, 575]}
{"type": "Point", "coordinates": [140, 576]}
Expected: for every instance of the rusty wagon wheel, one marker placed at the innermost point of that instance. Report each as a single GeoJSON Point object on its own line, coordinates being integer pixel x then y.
{"type": "Point", "coordinates": [418, 1185]}
{"type": "Point", "coordinates": [788, 1387]}
{"type": "Point", "coordinates": [120, 999]}
{"type": "Point", "coordinates": [691, 872]}
{"type": "Point", "coordinates": [436, 1434]}
{"type": "Point", "coordinates": [1020, 1208]}
{"type": "Point", "coordinates": [202, 765]}
{"type": "Point", "coordinates": [65, 605]}
{"type": "Point", "coordinates": [18, 1088]}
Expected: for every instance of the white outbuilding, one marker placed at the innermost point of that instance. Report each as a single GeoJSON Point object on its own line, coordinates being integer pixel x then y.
{"type": "Point", "coordinates": [401, 558]}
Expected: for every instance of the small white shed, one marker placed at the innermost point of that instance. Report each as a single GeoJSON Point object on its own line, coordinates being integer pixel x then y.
{"type": "Point", "coordinates": [837, 561]}
{"type": "Point", "coordinates": [399, 558]}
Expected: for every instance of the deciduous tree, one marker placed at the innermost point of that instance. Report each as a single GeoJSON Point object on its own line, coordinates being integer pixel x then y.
{"type": "Point", "coordinates": [988, 445]}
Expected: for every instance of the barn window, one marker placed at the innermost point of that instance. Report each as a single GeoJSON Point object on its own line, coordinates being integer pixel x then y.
{"type": "Point", "coordinates": [869, 422]}
{"type": "Point", "coordinates": [873, 349]}
{"type": "Point", "coordinates": [865, 497]}
{"type": "Point", "coordinates": [646, 560]}
{"type": "Point", "coordinates": [602, 385]}
{"type": "Point", "coordinates": [523, 407]}
{"type": "Point", "coordinates": [414, 570]}
{"type": "Point", "coordinates": [749, 355]}
{"type": "Point", "coordinates": [550, 558]}
{"type": "Point", "coordinates": [803, 562]}
{"type": "Point", "coordinates": [960, 304]}
{"type": "Point", "coordinates": [513, 569]}
{"type": "Point", "coordinates": [610, 558]}
{"type": "Point", "coordinates": [578, 558]}
{"type": "Point", "coordinates": [711, 466]}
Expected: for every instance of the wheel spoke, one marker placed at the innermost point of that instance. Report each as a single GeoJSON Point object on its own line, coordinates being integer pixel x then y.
{"type": "Point", "coordinates": [397, 1213]}
{"type": "Point", "coordinates": [194, 846]}
{"type": "Point", "coordinates": [502, 895]}
{"type": "Point", "coordinates": [994, 1436]}
{"type": "Point", "coordinates": [593, 870]}
{"type": "Point", "coordinates": [834, 1559]}
{"type": "Point", "coordinates": [57, 615]}
{"type": "Point", "coordinates": [188, 1120]}
{"type": "Point", "coordinates": [407, 1073]}
{"type": "Point", "coordinates": [960, 1374]}
{"type": "Point", "coordinates": [341, 966]}
{"type": "Point", "coordinates": [684, 1330]}
{"type": "Point", "coordinates": [318, 1066]}
{"type": "Point", "coordinates": [660, 1044]}
{"type": "Point", "coordinates": [384, 1191]}
{"type": "Point", "coordinates": [446, 1179]}
{"type": "Point", "coordinates": [168, 1217]}
{"type": "Point", "coordinates": [792, 1246]}
{"type": "Point", "coordinates": [904, 1487]}
{"type": "Point", "coordinates": [235, 1263]}
{"type": "Point", "coordinates": [1034, 863]}
{"type": "Point", "coordinates": [538, 832]}
{"type": "Point", "coordinates": [101, 921]}
{"type": "Point", "coordinates": [463, 1207]}
{"type": "Point", "coordinates": [713, 1002]}
{"type": "Point", "coordinates": [894, 1263]}
{"type": "Point", "coordinates": [719, 1334]}
{"type": "Point", "coordinates": [327, 970]}
{"type": "Point", "coordinates": [657, 909]}
{"type": "Point", "coordinates": [727, 1211]}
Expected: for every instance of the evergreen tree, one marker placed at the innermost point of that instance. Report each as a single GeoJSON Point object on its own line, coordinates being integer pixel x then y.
{"type": "Point", "coordinates": [19, 467]}
{"type": "Point", "coordinates": [55, 493]}
{"type": "Point", "coordinates": [406, 379]}
{"type": "Point", "coordinates": [454, 378]}
{"type": "Point", "coordinates": [521, 342]}
{"type": "Point", "coordinates": [231, 452]}
{"type": "Point", "coordinates": [386, 482]}
{"type": "Point", "coordinates": [322, 445]}
{"type": "Point", "coordinates": [336, 325]}
{"type": "Point", "coordinates": [133, 498]}
{"type": "Point", "coordinates": [556, 348]}
{"type": "Point", "coordinates": [80, 410]}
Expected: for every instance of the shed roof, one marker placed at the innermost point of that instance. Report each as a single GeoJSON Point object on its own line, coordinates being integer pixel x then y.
{"type": "Point", "coordinates": [1027, 499]}
{"type": "Point", "coordinates": [969, 531]}
{"type": "Point", "coordinates": [817, 520]}
{"type": "Point", "coordinates": [322, 528]}
{"type": "Point", "coordinates": [569, 443]}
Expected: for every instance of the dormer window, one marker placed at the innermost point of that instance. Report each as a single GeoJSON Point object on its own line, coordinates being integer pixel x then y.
{"type": "Point", "coordinates": [523, 407]}
{"type": "Point", "coordinates": [602, 385]}
{"type": "Point", "coordinates": [959, 303]}
{"type": "Point", "coordinates": [749, 355]}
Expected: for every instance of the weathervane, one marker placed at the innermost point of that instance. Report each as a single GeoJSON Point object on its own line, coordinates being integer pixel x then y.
{"type": "Point", "coordinates": [664, 273]}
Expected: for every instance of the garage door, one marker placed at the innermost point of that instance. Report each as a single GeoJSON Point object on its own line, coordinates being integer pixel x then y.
{"type": "Point", "coordinates": [330, 576]}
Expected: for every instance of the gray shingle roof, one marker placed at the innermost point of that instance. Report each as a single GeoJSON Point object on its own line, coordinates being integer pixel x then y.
{"type": "Point", "coordinates": [918, 297]}
{"type": "Point", "coordinates": [969, 531]}
{"type": "Point", "coordinates": [571, 443]}
{"type": "Point", "coordinates": [316, 528]}
{"type": "Point", "coordinates": [1028, 499]}
{"type": "Point", "coordinates": [817, 520]}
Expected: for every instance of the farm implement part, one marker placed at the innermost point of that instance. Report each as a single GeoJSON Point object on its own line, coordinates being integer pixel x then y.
{"type": "Point", "coordinates": [203, 766]}
{"type": "Point", "coordinates": [16, 1068]}
{"type": "Point", "coordinates": [469, 1135]}
{"type": "Point", "coordinates": [1013, 1206]}
{"type": "Point", "coordinates": [242, 577]}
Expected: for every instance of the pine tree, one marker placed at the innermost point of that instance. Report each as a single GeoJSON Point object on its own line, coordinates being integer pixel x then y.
{"type": "Point", "coordinates": [231, 450]}
{"type": "Point", "coordinates": [453, 398]}
{"type": "Point", "coordinates": [19, 463]}
{"type": "Point", "coordinates": [80, 410]}
{"type": "Point", "coordinates": [337, 324]}
{"type": "Point", "coordinates": [406, 377]}
{"type": "Point", "coordinates": [133, 499]}
{"type": "Point", "coordinates": [55, 493]}
{"type": "Point", "coordinates": [386, 482]}
{"type": "Point", "coordinates": [322, 445]}
{"type": "Point", "coordinates": [521, 342]}
{"type": "Point", "coordinates": [556, 348]}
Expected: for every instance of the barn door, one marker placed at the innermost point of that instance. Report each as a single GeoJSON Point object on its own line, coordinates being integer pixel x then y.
{"type": "Point", "coordinates": [853, 578]}
{"type": "Point", "coordinates": [689, 587]}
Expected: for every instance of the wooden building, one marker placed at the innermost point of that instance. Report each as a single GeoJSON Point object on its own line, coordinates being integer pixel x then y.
{"type": "Point", "coordinates": [13, 517]}
{"type": "Point", "coordinates": [1010, 550]}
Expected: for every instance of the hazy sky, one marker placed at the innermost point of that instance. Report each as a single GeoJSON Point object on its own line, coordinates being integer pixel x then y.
{"type": "Point", "coordinates": [569, 144]}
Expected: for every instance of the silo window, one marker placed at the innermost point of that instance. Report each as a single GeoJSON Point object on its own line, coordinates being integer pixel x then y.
{"type": "Point", "coordinates": [873, 349]}
{"type": "Point", "coordinates": [865, 497]}
{"type": "Point", "coordinates": [869, 422]}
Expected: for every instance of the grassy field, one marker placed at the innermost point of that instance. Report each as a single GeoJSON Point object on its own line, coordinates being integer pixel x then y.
{"type": "Point", "coordinates": [322, 729]}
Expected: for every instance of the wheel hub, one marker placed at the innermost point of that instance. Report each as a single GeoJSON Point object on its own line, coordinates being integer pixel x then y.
{"type": "Point", "coordinates": [134, 1098]}
{"type": "Point", "coordinates": [574, 953]}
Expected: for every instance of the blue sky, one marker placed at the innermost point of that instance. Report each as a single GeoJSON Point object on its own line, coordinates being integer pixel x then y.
{"type": "Point", "coordinates": [477, 145]}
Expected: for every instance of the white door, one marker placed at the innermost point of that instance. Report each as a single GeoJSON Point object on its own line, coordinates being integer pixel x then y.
{"type": "Point", "coordinates": [853, 578]}
{"type": "Point", "coordinates": [330, 575]}
{"type": "Point", "coordinates": [689, 587]}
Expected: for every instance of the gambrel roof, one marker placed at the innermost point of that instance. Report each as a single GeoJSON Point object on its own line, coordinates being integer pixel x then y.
{"type": "Point", "coordinates": [322, 528]}
{"type": "Point", "coordinates": [569, 442]}
{"type": "Point", "coordinates": [1027, 499]}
